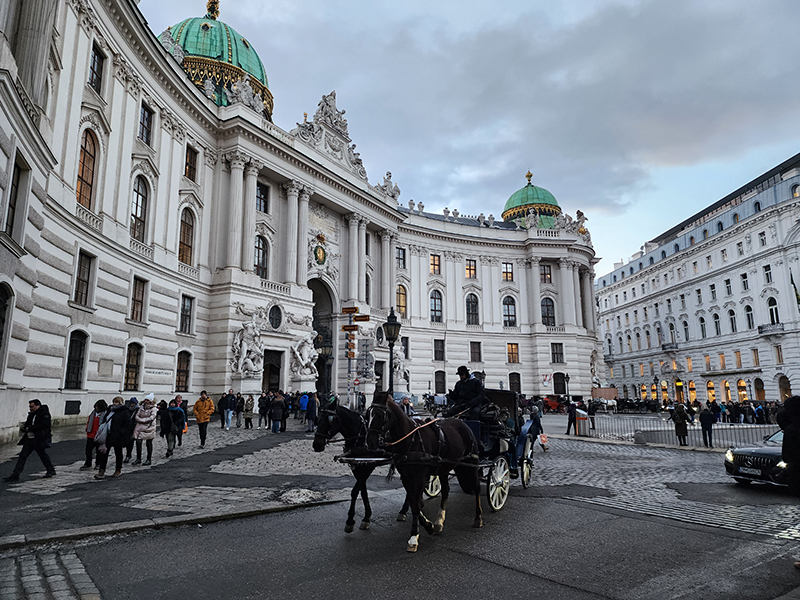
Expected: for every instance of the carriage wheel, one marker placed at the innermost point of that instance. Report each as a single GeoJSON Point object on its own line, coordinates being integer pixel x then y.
{"type": "Point", "coordinates": [498, 483]}
{"type": "Point", "coordinates": [527, 461]}
{"type": "Point", "coordinates": [434, 487]}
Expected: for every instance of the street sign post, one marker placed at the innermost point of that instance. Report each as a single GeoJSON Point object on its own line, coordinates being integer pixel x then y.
{"type": "Point", "coordinates": [349, 327]}
{"type": "Point", "coordinates": [350, 310]}
{"type": "Point", "coordinates": [360, 318]}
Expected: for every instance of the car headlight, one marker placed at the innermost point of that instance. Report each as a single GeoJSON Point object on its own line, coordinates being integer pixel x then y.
{"type": "Point", "coordinates": [729, 456]}
{"type": "Point", "coordinates": [781, 465]}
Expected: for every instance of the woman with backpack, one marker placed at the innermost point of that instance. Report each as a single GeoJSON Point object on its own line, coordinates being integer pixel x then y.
{"type": "Point", "coordinates": [115, 430]}
{"type": "Point", "coordinates": [145, 430]}
{"type": "Point", "coordinates": [92, 425]}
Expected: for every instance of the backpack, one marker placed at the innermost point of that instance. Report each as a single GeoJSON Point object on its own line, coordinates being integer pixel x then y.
{"type": "Point", "coordinates": [102, 432]}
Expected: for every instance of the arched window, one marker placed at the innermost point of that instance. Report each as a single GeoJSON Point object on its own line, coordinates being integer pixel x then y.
{"type": "Point", "coordinates": [796, 191]}
{"type": "Point", "coordinates": [549, 312]}
{"type": "Point", "coordinates": [182, 372]}
{"type": "Point", "coordinates": [653, 395]}
{"type": "Point", "coordinates": [514, 383]}
{"type": "Point", "coordinates": [748, 313]}
{"type": "Point", "coordinates": [651, 260]}
{"type": "Point", "coordinates": [509, 312]}
{"type": "Point", "coordinates": [186, 241]}
{"type": "Point", "coordinates": [702, 327]}
{"type": "Point", "coordinates": [133, 364]}
{"type": "Point", "coordinates": [735, 217]}
{"type": "Point", "coordinates": [436, 306]}
{"type": "Point", "coordinates": [630, 346]}
{"type": "Point", "coordinates": [139, 209]}
{"type": "Point", "coordinates": [705, 234]}
{"type": "Point", "coordinates": [717, 326]}
{"type": "Point", "coordinates": [472, 310]}
{"type": "Point", "coordinates": [76, 358]}
{"type": "Point", "coordinates": [640, 266]}
{"type": "Point", "coordinates": [712, 395]}
{"type": "Point", "coordinates": [610, 349]}
{"type": "Point", "coordinates": [647, 338]}
{"type": "Point", "coordinates": [741, 389]}
{"type": "Point", "coordinates": [772, 305]}
{"type": "Point", "coordinates": [400, 295]}
{"type": "Point", "coordinates": [676, 248]}
{"type": "Point", "coordinates": [86, 169]}
{"type": "Point", "coordinates": [643, 392]}
{"type": "Point", "coordinates": [631, 271]}
{"type": "Point", "coordinates": [692, 392]}
{"type": "Point", "coordinates": [691, 241]}
{"type": "Point", "coordinates": [719, 226]}
{"type": "Point", "coordinates": [732, 319]}
{"type": "Point", "coordinates": [672, 337]}
{"type": "Point", "coordinates": [620, 344]}
{"type": "Point", "coordinates": [261, 257]}
{"type": "Point", "coordinates": [638, 342]}
{"type": "Point", "coordinates": [367, 289]}
{"type": "Point", "coordinates": [439, 382]}
{"type": "Point", "coordinates": [663, 254]}
{"type": "Point", "coordinates": [685, 331]}
{"type": "Point", "coordinates": [757, 206]}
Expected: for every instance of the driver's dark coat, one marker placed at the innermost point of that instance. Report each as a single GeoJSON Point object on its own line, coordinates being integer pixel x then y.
{"type": "Point", "coordinates": [468, 394]}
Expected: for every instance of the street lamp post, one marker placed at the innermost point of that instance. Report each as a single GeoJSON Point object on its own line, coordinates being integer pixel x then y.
{"type": "Point", "coordinates": [391, 329]}
{"type": "Point", "coordinates": [325, 351]}
{"type": "Point", "coordinates": [566, 383]}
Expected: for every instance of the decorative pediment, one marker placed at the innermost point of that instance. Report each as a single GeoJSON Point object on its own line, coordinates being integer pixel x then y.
{"type": "Point", "coordinates": [472, 287]}
{"type": "Point", "coordinates": [699, 313]}
{"type": "Point", "coordinates": [97, 122]}
{"type": "Point", "coordinates": [146, 165]}
{"type": "Point", "coordinates": [509, 288]}
{"type": "Point", "coordinates": [191, 200]}
{"type": "Point", "coordinates": [435, 279]}
{"type": "Point", "coordinates": [769, 291]}
{"type": "Point", "coordinates": [714, 308]}
{"type": "Point", "coordinates": [729, 304]}
{"type": "Point", "coordinates": [683, 316]}
{"type": "Point", "coordinates": [265, 228]}
{"type": "Point", "coordinates": [746, 300]}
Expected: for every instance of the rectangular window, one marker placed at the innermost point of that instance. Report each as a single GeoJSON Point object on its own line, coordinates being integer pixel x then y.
{"type": "Point", "coordinates": [756, 360]}
{"type": "Point", "coordinates": [438, 350]}
{"type": "Point", "coordinates": [633, 292]}
{"type": "Point", "coordinates": [689, 364]}
{"type": "Point", "coordinates": [187, 304]}
{"type": "Point", "coordinates": [694, 266]}
{"type": "Point", "coordinates": [713, 289]}
{"type": "Point", "coordinates": [721, 362]}
{"type": "Point", "coordinates": [728, 288]}
{"type": "Point", "coordinates": [669, 305]}
{"type": "Point", "coordinates": [779, 355]}
{"type": "Point", "coordinates": [641, 369]}
{"type": "Point", "coordinates": [627, 320]}
{"type": "Point", "coordinates": [13, 198]}
{"type": "Point", "coordinates": [404, 344]}
{"type": "Point", "coordinates": [655, 306]}
{"type": "Point", "coordinates": [745, 283]}
{"type": "Point", "coordinates": [133, 363]}
{"type": "Point", "coordinates": [738, 357]}
{"type": "Point", "coordinates": [624, 372]}
{"type": "Point", "coordinates": [556, 353]}
{"type": "Point", "coordinates": [652, 369]}
{"type": "Point", "coordinates": [611, 372]}
{"type": "Point", "coordinates": [508, 271]}
{"type": "Point", "coordinates": [624, 296]}
{"type": "Point", "coordinates": [436, 264]}
{"type": "Point", "coordinates": [145, 124]}
{"type": "Point", "coordinates": [740, 249]}
{"type": "Point", "coordinates": [96, 70]}
{"type": "Point", "coordinates": [262, 198]}
{"type": "Point", "coordinates": [762, 239]}
{"type": "Point", "coordinates": [513, 353]}
{"type": "Point", "coordinates": [471, 269]}
{"type": "Point", "coordinates": [439, 382]}
{"type": "Point", "coordinates": [190, 169]}
{"type": "Point", "coordinates": [545, 274]}
{"type": "Point", "coordinates": [137, 300]}
{"type": "Point", "coordinates": [724, 254]}
{"type": "Point", "coordinates": [367, 241]}
{"type": "Point", "coordinates": [699, 296]}
{"type": "Point", "coordinates": [636, 316]}
{"type": "Point", "coordinates": [400, 257]}
{"type": "Point", "coordinates": [767, 274]}
{"type": "Point", "coordinates": [83, 279]}
{"type": "Point", "coordinates": [644, 312]}
{"type": "Point", "coordinates": [708, 362]}
{"type": "Point", "coordinates": [709, 264]}
{"type": "Point", "coordinates": [475, 352]}
{"type": "Point", "coordinates": [683, 300]}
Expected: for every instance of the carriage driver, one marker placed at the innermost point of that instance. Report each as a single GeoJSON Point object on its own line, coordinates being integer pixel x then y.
{"type": "Point", "coordinates": [467, 396]}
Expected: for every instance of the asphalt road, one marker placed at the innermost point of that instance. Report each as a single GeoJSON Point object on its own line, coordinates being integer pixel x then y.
{"type": "Point", "coordinates": [601, 521]}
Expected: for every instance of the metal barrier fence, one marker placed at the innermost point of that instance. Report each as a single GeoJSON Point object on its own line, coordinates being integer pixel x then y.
{"type": "Point", "coordinates": [660, 430]}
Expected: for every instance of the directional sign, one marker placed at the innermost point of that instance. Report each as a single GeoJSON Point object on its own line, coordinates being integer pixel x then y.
{"type": "Point", "coordinates": [350, 345]}
{"type": "Point", "coordinates": [351, 355]}
{"type": "Point", "coordinates": [350, 310]}
{"type": "Point", "coordinates": [350, 336]}
{"type": "Point", "coordinates": [349, 327]}
{"type": "Point", "coordinates": [356, 382]}
{"type": "Point", "coordinates": [360, 318]}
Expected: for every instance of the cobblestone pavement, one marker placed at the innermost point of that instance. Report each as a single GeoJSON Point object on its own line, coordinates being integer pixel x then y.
{"type": "Point", "coordinates": [46, 576]}
{"type": "Point", "coordinates": [644, 480]}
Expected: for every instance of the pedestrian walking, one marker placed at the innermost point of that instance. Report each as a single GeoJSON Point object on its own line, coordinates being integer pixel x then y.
{"type": "Point", "coordinates": [263, 409]}
{"type": "Point", "coordinates": [144, 430]}
{"type": "Point", "coordinates": [707, 420]}
{"type": "Point", "coordinates": [681, 420]}
{"type": "Point", "coordinates": [229, 404]}
{"type": "Point", "coordinates": [133, 406]}
{"type": "Point", "coordinates": [203, 409]}
{"type": "Point", "coordinates": [287, 407]}
{"type": "Point", "coordinates": [303, 408]}
{"type": "Point", "coordinates": [312, 408]}
{"type": "Point", "coordinates": [276, 411]}
{"type": "Point", "coordinates": [177, 420]}
{"type": "Point", "coordinates": [36, 437]}
{"type": "Point", "coordinates": [164, 422]}
{"type": "Point", "coordinates": [92, 425]}
{"type": "Point", "coordinates": [249, 405]}
{"type": "Point", "coordinates": [118, 423]}
{"type": "Point", "coordinates": [572, 418]}
{"type": "Point", "coordinates": [592, 411]}
{"type": "Point", "coordinates": [180, 403]}
{"type": "Point", "coordinates": [239, 409]}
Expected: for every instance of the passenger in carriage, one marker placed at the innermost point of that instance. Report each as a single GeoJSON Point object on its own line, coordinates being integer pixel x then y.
{"type": "Point", "coordinates": [468, 397]}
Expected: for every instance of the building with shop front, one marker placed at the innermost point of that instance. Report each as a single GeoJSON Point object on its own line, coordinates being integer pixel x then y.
{"type": "Point", "coordinates": [710, 308]}
{"type": "Point", "coordinates": [158, 232]}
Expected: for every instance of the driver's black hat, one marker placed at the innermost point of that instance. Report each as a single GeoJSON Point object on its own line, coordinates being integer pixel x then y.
{"type": "Point", "coordinates": [462, 369]}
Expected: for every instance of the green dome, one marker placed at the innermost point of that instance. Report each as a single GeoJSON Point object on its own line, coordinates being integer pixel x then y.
{"type": "Point", "coordinates": [216, 51]}
{"type": "Point", "coordinates": [530, 197]}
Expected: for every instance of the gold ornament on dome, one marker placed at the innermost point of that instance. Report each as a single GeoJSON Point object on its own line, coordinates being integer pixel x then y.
{"type": "Point", "coordinates": [212, 9]}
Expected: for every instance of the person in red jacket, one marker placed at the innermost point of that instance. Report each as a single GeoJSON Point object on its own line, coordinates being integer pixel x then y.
{"type": "Point", "coordinates": [92, 425]}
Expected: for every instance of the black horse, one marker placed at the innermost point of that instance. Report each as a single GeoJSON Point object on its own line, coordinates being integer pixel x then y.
{"type": "Point", "coordinates": [421, 452]}
{"type": "Point", "coordinates": [334, 419]}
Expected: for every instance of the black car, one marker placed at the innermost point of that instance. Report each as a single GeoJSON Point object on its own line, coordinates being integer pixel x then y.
{"type": "Point", "coordinates": [758, 463]}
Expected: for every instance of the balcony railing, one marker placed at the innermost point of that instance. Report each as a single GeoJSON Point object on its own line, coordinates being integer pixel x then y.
{"type": "Point", "coordinates": [669, 346]}
{"type": "Point", "coordinates": [770, 329]}
{"type": "Point", "coordinates": [88, 217]}
{"type": "Point", "coordinates": [274, 286]}
{"type": "Point", "coordinates": [143, 249]}
{"type": "Point", "coordinates": [556, 329]}
{"type": "Point", "coordinates": [188, 270]}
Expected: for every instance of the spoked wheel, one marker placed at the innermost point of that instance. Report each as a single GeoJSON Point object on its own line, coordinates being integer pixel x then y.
{"type": "Point", "coordinates": [498, 483]}
{"type": "Point", "coordinates": [527, 461]}
{"type": "Point", "coordinates": [434, 487]}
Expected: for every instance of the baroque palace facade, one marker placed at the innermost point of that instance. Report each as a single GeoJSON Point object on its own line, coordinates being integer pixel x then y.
{"type": "Point", "coordinates": [710, 309]}
{"type": "Point", "coordinates": [159, 233]}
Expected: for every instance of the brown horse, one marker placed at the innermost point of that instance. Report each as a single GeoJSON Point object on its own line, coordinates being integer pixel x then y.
{"type": "Point", "coordinates": [420, 452]}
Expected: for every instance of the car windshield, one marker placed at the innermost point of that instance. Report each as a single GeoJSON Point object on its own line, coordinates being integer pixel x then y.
{"type": "Point", "coordinates": [776, 438]}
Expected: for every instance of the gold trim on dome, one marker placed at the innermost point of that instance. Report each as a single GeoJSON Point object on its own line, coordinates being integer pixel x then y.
{"type": "Point", "coordinates": [544, 210]}
{"type": "Point", "coordinates": [199, 69]}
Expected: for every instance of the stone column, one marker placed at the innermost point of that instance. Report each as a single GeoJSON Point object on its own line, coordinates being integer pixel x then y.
{"type": "Point", "coordinates": [386, 281]}
{"type": "Point", "coordinates": [576, 289]}
{"type": "Point", "coordinates": [536, 292]}
{"type": "Point", "coordinates": [302, 236]}
{"type": "Point", "coordinates": [292, 191]}
{"type": "Point", "coordinates": [249, 214]}
{"type": "Point", "coordinates": [362, 260]}
{"type": "Point", "coordinates": [233, 257]}
{"type": "Point", "coordinates": [353, 259]}
{"type": "Point", "coordinates": [566, 297]}
{"type": "Point", "coordinates": [393, 269]}
{"type": "Point", "coordinates": [588, 301]}
{"type": "Point", "coordinates": [34, 31]}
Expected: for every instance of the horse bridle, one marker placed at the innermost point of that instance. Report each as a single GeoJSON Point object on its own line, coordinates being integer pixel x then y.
{"type": "Point", "coordinates": [332, 416]}
{"type": "Point", "coordinates": [386, 425]}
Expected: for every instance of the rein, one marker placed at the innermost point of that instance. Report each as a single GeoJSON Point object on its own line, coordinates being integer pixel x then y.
{"type": "Point", "coordinates": [418, 427]}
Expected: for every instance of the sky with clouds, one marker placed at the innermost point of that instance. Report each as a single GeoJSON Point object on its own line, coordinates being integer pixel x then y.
{"type": "Point", "coordinates": [638, 112]}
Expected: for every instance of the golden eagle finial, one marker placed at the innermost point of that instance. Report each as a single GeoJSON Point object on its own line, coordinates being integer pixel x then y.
{"type": "Point", "coordinates": [212, 9]}
{"type": "Point", "coordinates": [528, 176]}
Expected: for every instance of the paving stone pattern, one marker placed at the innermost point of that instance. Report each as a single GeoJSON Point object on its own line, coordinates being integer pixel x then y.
{"type": "Point", "coordinates": [639, 478]}
{"type": "Point", "coordinates": [47, 576]}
